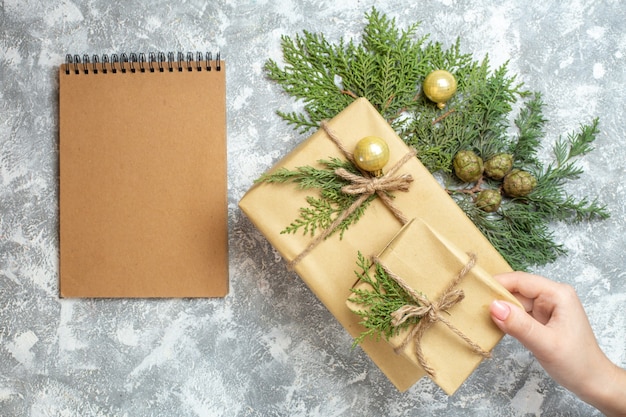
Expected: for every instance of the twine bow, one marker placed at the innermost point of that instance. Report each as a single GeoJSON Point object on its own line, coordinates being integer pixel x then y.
{"type": "Point", "coordinates": [431, 313]}
{"type": "Point", "coordinates": [364, 186]}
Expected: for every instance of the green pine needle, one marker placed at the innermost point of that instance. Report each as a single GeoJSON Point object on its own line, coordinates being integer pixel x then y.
{"type": "Point", "coordinates": [379, 302]}
{"type": "Point", "coordinates": [323, 210]}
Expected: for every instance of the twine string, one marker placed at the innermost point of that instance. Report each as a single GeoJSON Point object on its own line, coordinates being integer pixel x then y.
{"type": "Point", "coordinates": [364, 186]}
{"type": "Point", "coordinates": [430, 312]}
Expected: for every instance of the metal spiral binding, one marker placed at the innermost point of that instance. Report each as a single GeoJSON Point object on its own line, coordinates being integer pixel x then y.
{"type": "Point", "coordinates": [133, 62]}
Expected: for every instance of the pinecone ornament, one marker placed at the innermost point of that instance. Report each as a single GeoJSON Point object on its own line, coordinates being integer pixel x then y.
{"type": "Point", "coordinates": [468, 166]}
{"type": "Point", "coordinates": [519, 183]}
{"type": "Point", "coordinates": [498, 166]}
{"type": "Point", "coordinates": [488, 200]}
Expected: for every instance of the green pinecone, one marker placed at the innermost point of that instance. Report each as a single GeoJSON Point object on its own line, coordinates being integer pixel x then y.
{"type": "Point", "coordinates": [468, 166]}
{"type": "Point", "coordinates": [519, 183]}
{"type": "Point", "coordinates": [498, 166]}
{"type": "Point", "coordinates": [488, 200]}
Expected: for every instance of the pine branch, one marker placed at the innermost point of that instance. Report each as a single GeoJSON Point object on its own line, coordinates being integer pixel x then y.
{"type": "Point", "coordinates": [522, 237]}
{"type": "Point", "coordinates": [321, 211]}
{"type": "Point", "coordinates": [298, 120]}
{"type": "Point", "coordinates": [577, 144]}
{"type": "Point", "coordinates": [530, 123]}
{"type": "Point", "coordinates": [550, 197]}
{"type": "Point", "coordinates": [310, 76]}
{"type": "Point", "coordinates": [379, 302]}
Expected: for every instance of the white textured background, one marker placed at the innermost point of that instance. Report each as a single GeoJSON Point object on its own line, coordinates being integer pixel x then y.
{"type": "Point", "coordinates": [270, 348]}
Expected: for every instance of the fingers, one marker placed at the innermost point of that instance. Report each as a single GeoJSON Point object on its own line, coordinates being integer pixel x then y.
{"type": "Point", "coordinates": [537, 294]}
{"type": "Point", "coordinates": [541, 298]}
{"type": "Point", "coordinates": [517, 323]}
{"type": "Point", "coordinates": [527, 285]}
{"type": "Point", "coordinates": [509, 281]}
{"type": "Point", "coordinates": [525, 301]}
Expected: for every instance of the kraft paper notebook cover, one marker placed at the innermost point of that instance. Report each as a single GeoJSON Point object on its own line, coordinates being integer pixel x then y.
{"type": "Point", "coordinates": [142, 165]}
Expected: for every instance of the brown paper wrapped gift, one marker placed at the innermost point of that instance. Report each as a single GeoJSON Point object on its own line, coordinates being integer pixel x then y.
{"type": "Point", "coordinates": [328, 269]}
{"type": "Point", "coordinates": [427, 263]}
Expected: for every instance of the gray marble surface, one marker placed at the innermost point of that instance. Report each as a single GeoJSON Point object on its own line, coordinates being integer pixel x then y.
{"type": "Point", "coordinates": [270, 348]}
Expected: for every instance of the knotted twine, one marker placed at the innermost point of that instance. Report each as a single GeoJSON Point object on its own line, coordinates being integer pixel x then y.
{"type": "Point", "coordinates": [364, 186]}
{"type": "Point", "coordinates": [430, 313]}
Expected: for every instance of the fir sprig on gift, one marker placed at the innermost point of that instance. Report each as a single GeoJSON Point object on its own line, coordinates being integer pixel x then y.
{"type": "Point", "coordinates": [388, 67]}
{"type": "Point", "coordinates": [322, 210]}
{"type": "Point", "coordinates": [375, 305]}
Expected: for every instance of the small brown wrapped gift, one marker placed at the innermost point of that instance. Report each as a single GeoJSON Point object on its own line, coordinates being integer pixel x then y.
{"type": "Point", "coordinates": [328, 268]}
{"type": "Point", "coordinates": [447, 283]}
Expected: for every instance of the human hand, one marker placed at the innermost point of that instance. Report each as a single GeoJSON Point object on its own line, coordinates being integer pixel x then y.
{"type": "Point", "coordinates": [555, 328]}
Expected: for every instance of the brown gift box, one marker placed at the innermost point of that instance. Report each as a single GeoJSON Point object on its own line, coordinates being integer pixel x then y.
{"type": "Point", "coordinates": [329, 268]}
{"type": "Point", "coordinates": [427, 262]}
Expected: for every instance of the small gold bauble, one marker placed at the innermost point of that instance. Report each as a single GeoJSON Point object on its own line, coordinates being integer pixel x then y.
{"type": "Point", "coordinates": [371, 154]}
{"type": "Point", "coordinates": [439, 86]}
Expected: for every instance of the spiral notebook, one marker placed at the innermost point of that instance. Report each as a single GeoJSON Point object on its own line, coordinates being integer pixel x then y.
{"type": "Point", "coordinates": [142, 166]}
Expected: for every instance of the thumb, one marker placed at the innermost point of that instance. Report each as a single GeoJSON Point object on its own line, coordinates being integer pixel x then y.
{"type": "Point", "coordinates": [514, 321]}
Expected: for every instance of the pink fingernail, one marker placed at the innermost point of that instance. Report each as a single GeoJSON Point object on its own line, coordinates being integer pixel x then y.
{"type": "Point", "coordinates": [500, 310]}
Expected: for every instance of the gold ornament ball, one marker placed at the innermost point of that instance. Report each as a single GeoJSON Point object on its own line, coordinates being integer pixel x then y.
{"type": "Point", "coordinates": [371, 154]}
{"type": "Point", "coordinates": [439, 86]}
